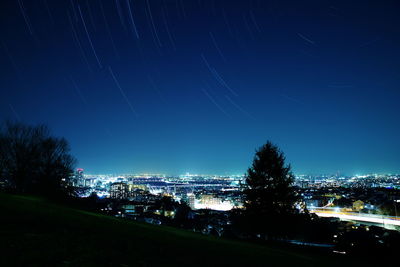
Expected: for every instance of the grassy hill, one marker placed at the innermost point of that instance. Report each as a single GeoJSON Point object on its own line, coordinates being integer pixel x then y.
{"type": "Point", "coordinates": [36, 232]}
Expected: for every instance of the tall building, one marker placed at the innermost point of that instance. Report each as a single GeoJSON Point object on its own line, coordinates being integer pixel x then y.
{"type": "Point", "coordinates": [80, 180]}
{"type": "Point", "coordinates": [119, 191]}
{"type": "Point", "coordinates": [190, 199]}
{"type": "Point", "coordinates": [76, 179]}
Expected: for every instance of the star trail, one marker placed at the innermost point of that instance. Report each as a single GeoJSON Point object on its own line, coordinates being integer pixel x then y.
{"type": "Point", "coordinates": [172, 86]}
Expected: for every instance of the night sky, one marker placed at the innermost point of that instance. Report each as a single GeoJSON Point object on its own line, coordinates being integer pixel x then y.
{"type": "Point", "coordinates": [179, 86]}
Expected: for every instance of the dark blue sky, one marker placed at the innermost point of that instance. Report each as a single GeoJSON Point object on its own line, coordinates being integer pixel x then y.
{"type": "Point", "coordinates": [196, 86]}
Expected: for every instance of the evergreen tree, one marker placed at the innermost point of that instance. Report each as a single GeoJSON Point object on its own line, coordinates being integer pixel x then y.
{"type": "Point", "coordinates": [269, 197]}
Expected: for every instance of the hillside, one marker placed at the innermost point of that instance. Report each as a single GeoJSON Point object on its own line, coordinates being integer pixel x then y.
{"type": "Point", "coordinates": [36, 232]}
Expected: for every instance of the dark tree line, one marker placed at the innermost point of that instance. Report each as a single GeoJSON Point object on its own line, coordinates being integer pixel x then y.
{"type": "Point", "coordinates": [34, 161]}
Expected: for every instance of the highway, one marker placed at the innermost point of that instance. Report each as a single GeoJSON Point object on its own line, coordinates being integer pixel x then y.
{"type": "Point", "coordinates": [385, 221]}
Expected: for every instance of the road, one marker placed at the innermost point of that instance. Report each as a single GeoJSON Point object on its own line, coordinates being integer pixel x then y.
{"type": "Point", "coordinates": [355, 216]}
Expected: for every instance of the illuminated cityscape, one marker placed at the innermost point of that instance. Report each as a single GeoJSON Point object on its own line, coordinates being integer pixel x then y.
{"type": "Point", "coordinates": [199, 133]}
{"type": "Point", "coordinates": [213, 192]}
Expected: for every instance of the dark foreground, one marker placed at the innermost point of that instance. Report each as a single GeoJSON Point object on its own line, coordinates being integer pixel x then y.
{"type": "Point", "coordinates": [35, 232]}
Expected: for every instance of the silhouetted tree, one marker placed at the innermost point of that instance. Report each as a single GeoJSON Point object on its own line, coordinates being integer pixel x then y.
{"type": "Point", "coordinates": [182, 215]}
{"type": "Point", "coordinates": [269, 198]}
{"type": "Point", "coordinates": [33, 161]}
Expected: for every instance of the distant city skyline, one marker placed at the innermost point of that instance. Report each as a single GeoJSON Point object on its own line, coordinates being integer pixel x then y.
{"type": "Point", "coordinates": [234, 174]}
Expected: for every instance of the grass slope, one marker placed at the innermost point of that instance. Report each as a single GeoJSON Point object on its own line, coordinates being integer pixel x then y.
{"type": "Point", "coordinates": [35, 232]}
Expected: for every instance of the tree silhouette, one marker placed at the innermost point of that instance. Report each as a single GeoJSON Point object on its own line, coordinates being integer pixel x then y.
{"type": "Point", "coordinates": [182, 214]}
{"type": "Point", "coordinates": [33, 161]}
{"type": "Point", "coordinates": [269, 198]}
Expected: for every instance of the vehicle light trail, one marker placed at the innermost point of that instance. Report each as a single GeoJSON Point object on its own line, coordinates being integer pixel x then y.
{"type": "Point", "coordinates": [354, 216]}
